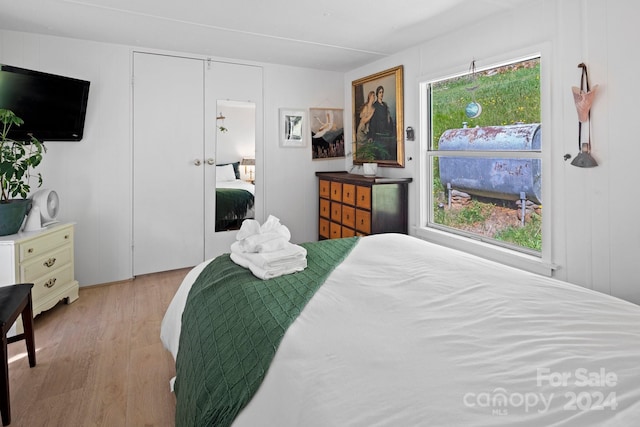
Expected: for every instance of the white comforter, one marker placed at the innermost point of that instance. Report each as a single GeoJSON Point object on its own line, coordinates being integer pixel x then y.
{"type": "Point", "coordinates": [407, 333]}
{"type": "Point", "coordinates": [237, 184]}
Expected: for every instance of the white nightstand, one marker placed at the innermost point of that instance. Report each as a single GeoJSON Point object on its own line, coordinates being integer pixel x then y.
{"type": "Point", "coordinates": [44, 258]}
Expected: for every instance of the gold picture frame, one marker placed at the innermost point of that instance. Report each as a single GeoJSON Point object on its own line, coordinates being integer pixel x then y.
{"type": "Point", "coordinates": [378, 123]}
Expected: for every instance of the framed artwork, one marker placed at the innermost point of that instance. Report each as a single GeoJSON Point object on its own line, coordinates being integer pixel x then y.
{"type": "Point", "coordinates": [292, 128]}
{"type": "Point", "coordinates": [378, 121]}
{"type": "Point", "coordinates": [327, 133]}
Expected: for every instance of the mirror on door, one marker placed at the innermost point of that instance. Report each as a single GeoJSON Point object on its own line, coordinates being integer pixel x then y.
{"type": "Point", "coordinates": [235, 163]}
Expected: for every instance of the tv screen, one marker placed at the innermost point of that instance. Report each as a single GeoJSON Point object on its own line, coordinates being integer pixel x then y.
{"type": "Point", "coordinates": [53, 107]}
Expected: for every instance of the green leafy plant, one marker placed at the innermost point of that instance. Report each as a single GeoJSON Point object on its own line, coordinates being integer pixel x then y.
{"type": "Point", "coordinates": [529, 236]}
{"type": "Point", "coordinates": [370, 151]}
{"type": "Point", "coordinates": [17, 159]}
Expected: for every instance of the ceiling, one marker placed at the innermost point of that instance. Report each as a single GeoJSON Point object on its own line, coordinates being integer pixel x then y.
{"type": "Point", "coordinates": [338, 35]}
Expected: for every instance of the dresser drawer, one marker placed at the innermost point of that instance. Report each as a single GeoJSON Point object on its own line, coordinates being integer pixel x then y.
{"type": "Point", "coordinates": [32, 270]}
{"type": "Point", "coordinates": [349, 194]}
{"type": "Point", "coordinates": [363, 221]}
{"type": "Point", "coordinates": [335, 230]}
{"type": "Point", "coordinates": [36, 247]}
{"type": "Point", "coordinates": [325, 208]}
{"type": "Point", "coordinates": [363, 197]}
{"type": "Point", "coordinates": [50, 282]}
{"type": "Point", "coordinates": [325, 189]}
{"type": "Point", "coordinates": [348, 232]}
{"type": "Point", "coordinates": [349, 216]}
{"type": "Point", "coordinates": [324, 228]}
{"type": "Point", "coordinates": [336, 212]}
{"type": "Point", "coordinates": [336, 191]}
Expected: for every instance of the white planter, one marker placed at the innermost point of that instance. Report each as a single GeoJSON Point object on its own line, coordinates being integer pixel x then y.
{"type": "Point", "coordinates": [369, 169]}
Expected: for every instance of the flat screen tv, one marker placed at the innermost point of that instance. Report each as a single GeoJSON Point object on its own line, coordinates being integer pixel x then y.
{"type": "Point", "coordinates": [53, 107]}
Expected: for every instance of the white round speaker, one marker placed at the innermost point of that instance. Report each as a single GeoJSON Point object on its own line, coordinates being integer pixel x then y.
{"type": "Point", "coordinates": [44, 209]}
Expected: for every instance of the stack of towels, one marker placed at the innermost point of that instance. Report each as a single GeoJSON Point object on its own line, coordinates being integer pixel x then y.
{"type": "Point", "coordinates": [265, 249]}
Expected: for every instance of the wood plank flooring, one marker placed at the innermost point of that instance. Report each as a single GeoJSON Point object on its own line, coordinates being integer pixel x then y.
{"type": "Point", "coordinates": [100, 361]}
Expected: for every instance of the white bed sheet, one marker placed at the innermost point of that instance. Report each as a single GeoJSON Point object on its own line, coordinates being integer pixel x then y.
{"type": "Point", "coordinates": [237, 184]}
{"type": "Point", "coordinates": [440, 337]}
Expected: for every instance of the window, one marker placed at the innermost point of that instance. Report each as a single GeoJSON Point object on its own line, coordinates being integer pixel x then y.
{"type": "Point", "coordinates": [484, 173]}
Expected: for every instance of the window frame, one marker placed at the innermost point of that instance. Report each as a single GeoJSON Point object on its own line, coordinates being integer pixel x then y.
{"type": "Point", "coordinates": [538, 262]}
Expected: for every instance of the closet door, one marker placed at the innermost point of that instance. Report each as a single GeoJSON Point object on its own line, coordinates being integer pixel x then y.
{"type": "Point", "coordinates": [168, 162]}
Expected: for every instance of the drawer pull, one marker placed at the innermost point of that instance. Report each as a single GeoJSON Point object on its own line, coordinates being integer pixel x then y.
{"type": "Point", "coordinates": [49, 262]}
{"type": "Point", "coordinates": [49, 283]}
{"type": "Point", "coordinates": [30, 250]}
{"type": "Point", "coordinates": [66, 237]}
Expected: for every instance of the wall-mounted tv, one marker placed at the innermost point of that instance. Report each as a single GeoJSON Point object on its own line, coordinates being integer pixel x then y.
{"type": "Point", "coordinates": [53, 107]}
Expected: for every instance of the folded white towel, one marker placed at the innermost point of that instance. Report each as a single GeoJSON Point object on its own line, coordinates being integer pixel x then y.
{"type": "Point", "coordinates": [248, 228]}
{"type": "Point", "coordinates": [272, 245]}
{"type": "Point", "coordinates": [264, 274]}
{"type": "Point", "coordinates": [258, 242]}
{"type": "Point", "coordinates": [271, 224]}
{"type": "Point", "coordinates": [274, 259]}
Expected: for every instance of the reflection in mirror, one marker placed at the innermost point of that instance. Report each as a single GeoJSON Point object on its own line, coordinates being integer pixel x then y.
{"type": "Point", "coordinates": [235, 163]}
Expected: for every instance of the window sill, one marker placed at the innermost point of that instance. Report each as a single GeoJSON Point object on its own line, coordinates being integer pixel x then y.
{"type": "Point", "coordinates": [488, 251]}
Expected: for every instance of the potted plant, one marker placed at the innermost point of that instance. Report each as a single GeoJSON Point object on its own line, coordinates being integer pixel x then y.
{"type": "Point", "coordinates": [17, 161]}
{"type": "Point", "coordinates": [368, 152]}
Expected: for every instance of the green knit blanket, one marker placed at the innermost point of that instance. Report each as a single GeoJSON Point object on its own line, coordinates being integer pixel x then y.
{"type": "Point", "coordinates": [232, 325]}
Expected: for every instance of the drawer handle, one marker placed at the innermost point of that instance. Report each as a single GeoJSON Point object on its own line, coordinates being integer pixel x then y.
{"type": "Point", "coordinates": [49, 283]}
{"type": "Point", "coordinates": [30, 250]}
{"type": "Point", "coordinates": [49, 262]}
{"type": "Point", "coordinates": [66, 237]}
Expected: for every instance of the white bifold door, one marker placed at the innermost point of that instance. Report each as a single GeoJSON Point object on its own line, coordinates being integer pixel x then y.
{"type": "Point", "coordinates": [174, 156]}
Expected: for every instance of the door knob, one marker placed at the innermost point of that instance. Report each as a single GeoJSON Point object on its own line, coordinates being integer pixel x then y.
{"type": "Point", "coordinates": [211, 161]}
{"type": "Point", "coordinates": [197, 162]}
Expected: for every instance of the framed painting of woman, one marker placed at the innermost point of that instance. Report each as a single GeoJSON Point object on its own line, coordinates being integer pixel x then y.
{"type": "Point", "coordinates": [378, 118]}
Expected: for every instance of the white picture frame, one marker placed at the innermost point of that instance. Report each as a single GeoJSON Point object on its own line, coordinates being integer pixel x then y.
{"type": "Point", "coordinates": [293, 128]}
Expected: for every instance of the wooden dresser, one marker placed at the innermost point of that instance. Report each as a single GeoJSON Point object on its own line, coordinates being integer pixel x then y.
{"type": "Point", "coordinates": [44, 258]}
{"type": "Point", "coordinates": [355, 205]}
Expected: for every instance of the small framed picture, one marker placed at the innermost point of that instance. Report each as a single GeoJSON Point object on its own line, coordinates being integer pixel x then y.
{"type": "Point", "coordinates": [327, 133]}
{"type": "Point", "coordinates": [293, 124]}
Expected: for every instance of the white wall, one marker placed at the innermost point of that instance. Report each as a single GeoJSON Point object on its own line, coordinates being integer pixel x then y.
{"type": "Point", "coordinates": [595, 236]}
{"type": "Point", "coordinates": [93, 176]}
{"type": "Point", "coordinates": [291, 186]}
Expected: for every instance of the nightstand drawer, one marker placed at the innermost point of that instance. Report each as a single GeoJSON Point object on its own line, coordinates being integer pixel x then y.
{"type": "Point", "coordinates": [32, 270]}
{"type": "Point", "coordinates": [51, 282]}
{"type": "Point", "coordinates": [36, 247]}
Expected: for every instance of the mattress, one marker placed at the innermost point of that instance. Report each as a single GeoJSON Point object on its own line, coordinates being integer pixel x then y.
{"type": "Point", "coordinates": [405, 332]}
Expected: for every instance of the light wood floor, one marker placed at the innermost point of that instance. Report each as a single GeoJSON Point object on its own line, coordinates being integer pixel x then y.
{"type": "Point", "coordinates": [100, 361]}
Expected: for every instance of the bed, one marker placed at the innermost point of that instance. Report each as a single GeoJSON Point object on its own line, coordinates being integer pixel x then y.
{"type": "Point", "coordinates": [234, 197]}
{"type": "Point", "coordinates": [403, 332]}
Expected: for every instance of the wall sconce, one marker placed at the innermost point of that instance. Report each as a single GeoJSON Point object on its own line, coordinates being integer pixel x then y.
{"type": "Point", "coordinates": [583, 100]}
{"type": "Point", "coordinates": [249, 164]}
